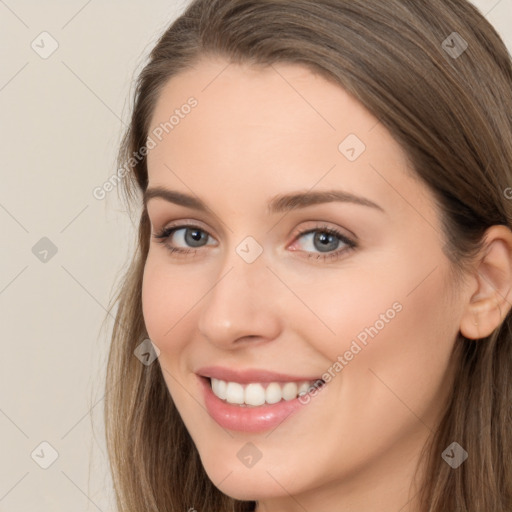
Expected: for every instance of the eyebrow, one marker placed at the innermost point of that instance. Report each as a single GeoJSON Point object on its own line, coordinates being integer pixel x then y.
{"type": "Point", "coordinates": [278, 204]}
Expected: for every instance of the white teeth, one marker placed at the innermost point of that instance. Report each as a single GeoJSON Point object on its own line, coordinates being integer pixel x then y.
{"type": "Point", "coordinates": [273, 393]}
{"type": "Point", "coordinates": [290, 391]}
{"type": "Point", "coordinates": [235, 393]}
{"type": "Point", "coordinates": [219, 388]}
{"type": "Point", "coordinates": [303, 388]}
{"type": "Point", "coordinates": [255, 394]}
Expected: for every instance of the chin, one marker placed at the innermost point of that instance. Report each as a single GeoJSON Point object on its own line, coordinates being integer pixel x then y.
{"type": "Point", "coordinates": [247, 484]}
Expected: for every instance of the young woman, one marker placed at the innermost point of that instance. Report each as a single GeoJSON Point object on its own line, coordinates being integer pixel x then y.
{"type": "Point", "coordinates": [317, 315]}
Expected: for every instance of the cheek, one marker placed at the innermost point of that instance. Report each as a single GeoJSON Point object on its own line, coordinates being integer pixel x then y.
{"type": "Point", "coordinates": [165, 303]}
{"type": "Point", "coordinates": [344, 309]}
{"type": "Point", "coordinates": [390, 351]}
{"type": "Point", "coordinates": [398, 379]}
{"type": "Point", "coordinates": [167, 306]}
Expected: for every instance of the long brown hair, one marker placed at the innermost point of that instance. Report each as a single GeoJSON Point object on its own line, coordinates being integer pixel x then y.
{"type": "Point", "coordinates": [450, 108]}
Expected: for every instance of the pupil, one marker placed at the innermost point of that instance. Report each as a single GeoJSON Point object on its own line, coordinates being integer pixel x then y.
{"type": "Point", "coordinates": [194, 236]}
{"type": "Point", "coordinates": [325, 237]}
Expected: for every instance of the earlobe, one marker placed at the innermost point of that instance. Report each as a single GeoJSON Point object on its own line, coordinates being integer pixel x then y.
{"type": "Point", "coordinates": [488, 306]}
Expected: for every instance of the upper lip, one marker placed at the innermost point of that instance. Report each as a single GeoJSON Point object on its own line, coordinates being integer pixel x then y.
{"type": "Point", "coordinates": [250, 375]}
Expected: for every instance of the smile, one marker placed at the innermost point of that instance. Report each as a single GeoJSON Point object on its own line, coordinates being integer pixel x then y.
{"type": "Point", "coordinates": [256, 394]}
{"type": "Point", "coordinates": [249, 410]}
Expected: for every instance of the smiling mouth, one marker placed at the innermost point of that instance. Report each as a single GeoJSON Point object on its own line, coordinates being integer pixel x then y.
{"type": "Point", "coordinates": [265, 393]}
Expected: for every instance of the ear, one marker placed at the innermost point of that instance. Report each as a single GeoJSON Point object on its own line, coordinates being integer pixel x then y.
{"type": "Point", "coordinates": [491, 297]}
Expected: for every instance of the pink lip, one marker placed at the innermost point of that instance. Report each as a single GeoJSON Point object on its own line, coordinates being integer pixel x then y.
{"type": "Point", "coordinates": [248, 419]}
{"type": "Point", "coordinates": [250, 375]}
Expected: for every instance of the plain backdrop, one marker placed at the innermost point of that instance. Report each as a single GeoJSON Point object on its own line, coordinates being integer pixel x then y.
{"type": "Point", "coordinates": [63, 250]}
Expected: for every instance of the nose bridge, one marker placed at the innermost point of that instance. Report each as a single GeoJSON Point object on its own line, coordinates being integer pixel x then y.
{"type": "Point", "coordinates": [239, 303]}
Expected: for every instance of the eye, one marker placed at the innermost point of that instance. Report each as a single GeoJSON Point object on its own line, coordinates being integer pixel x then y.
{"type": "Point", "coordinates": [189, 236]}
{"type": "Point", "coordinates": [326, 241]}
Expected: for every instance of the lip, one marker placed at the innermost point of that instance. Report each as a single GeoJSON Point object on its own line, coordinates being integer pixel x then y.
{"type": "Point", "coordinates": [249, 419]}
{"type": "Point", "coordinates": [251, 375]}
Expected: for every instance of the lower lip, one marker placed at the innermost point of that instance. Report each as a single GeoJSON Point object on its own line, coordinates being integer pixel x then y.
{"type": "Point", "coordinates": [247, 419]}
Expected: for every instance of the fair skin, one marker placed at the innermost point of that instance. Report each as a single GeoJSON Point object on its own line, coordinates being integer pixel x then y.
{"type": "Point", "coordinates": [261, 132]}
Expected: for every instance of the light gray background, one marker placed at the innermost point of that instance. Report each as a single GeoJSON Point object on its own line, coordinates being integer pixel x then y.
{"type": "Point", "coordinates": [61, 122]}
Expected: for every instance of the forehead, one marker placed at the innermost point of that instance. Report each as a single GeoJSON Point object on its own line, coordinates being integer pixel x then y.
{"type": "Point", "coordinates": [277, 128]}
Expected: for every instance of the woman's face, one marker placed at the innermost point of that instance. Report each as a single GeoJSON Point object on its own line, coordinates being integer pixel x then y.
{"type": "Point", "coordinates": [268, 159]}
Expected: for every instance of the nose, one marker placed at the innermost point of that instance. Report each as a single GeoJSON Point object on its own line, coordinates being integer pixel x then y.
{"type": "Point", "coordinates": [242, 305]}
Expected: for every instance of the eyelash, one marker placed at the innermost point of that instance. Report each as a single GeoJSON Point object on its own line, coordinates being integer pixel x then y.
{"type": "Point", "coordinates": [163, 236]}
